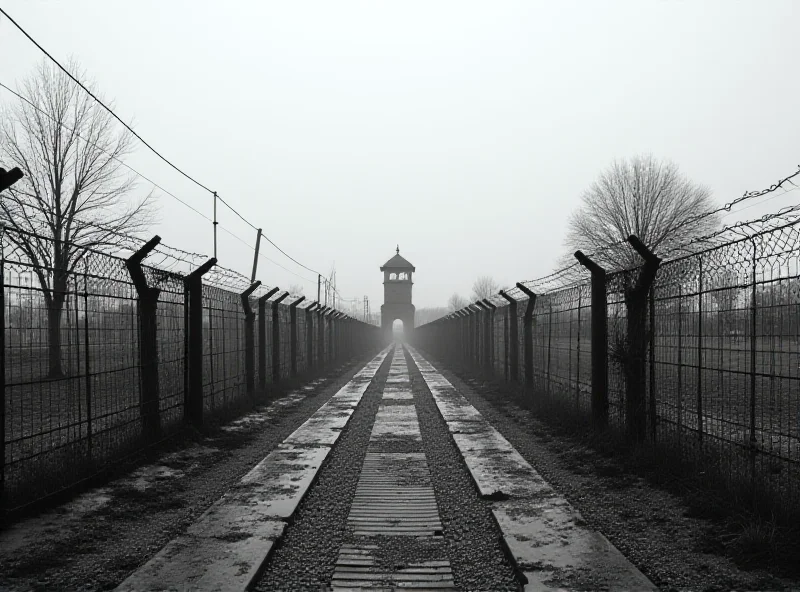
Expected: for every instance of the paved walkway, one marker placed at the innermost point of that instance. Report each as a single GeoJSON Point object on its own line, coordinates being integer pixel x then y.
{"type": "Point", "coordinates": [545, 539]}
{"type": "Point", "coordinates": [394, 497]}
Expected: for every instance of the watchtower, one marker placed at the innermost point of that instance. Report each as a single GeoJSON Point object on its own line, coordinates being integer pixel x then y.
{"type": "Point", "coordinates": [397, 295]}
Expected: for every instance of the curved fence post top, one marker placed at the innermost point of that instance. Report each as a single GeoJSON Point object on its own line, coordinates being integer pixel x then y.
{"type": "Point", "coordinates": [525, 290]}
{"type": "Point", "coordinates": [202, 270]}
{"type": "Point", "coordinates": [508, 297]}
{"type": "Point", "coordinates": [593, 267]}
{"type": "Point", "coordinates": [266, 296]}
{"type": "Point", "coordinates": [248, 310]}
{"type": "Point", "coordinates": [278, 300]}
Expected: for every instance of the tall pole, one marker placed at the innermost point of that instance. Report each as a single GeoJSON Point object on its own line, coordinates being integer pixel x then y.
{"type": "Point", "coordinates": [319, 281]}
{"type": "Point", "coordinates": [255, 256]}
{"type": "Point", "coordinates": [215, 225]}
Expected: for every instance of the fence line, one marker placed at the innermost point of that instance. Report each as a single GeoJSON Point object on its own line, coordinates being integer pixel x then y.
{"type": "Point", "coordinates": [703, 361]}
{"type": "Point", "coordinates": [133, 353]}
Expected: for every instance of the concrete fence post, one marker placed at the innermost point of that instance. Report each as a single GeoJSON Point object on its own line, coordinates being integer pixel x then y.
{"type": "Point", "coordinates": [321, 312]}
{"type": "Point", "coordinates": [475, 334]}
{"type": "Point", "coordinates": [599, 341]}
{"type": "Point", "coordinates": [193, 401]}
{"type": "Point", "coordinates": [249, 339]}
{"type": "Point", "coordinates": [527, 330]}
{"type": "Point", "coordinates": [636, 302]}
{"type": "Point", "coordinates": [329, 331]}
{"type": "Point", "coordinates": [513, 336]}
{"type": "Point", "coordinates": [310, 334]}
{"type": "Point", "coordinates": [146, 305]}
{"type": "Point", "coordinates": [463, 321]}
{"type": "Point", "coordinates": [276, 337]}
{"type": "Point", "coordinates": [293, 334]}
{"type": "Point", "coordinates": [489, 336]}
{"type": "Point", "coordinates": [262, 338]}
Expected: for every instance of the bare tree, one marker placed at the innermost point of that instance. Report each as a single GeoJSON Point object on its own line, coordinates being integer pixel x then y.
{"type": "Point", "coordinates": [643, 196]}
{"type": "Point", "coordinates": [456, 302]}
{"type": "Point", "coordinates": [75, 194]}
{"type": "Point", "coordinates": [297, 290]}
{"type": "Point", "coordinates": [484, 287]}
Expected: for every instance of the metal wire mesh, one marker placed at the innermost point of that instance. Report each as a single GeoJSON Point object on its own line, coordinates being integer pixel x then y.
{"type": "Point", "coordinates": [76, 396]}
{"type": "Point", "coordinates": [722, 358]}
{"type": "Point", "coordinates": [223, 349]}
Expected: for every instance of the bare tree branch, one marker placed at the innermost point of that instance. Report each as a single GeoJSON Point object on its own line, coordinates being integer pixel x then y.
{"type": "Point", "coordinates": [456, 302]}
{"type": "Point", "coordinates": [74, 194]}
{"type": "Point", "coordinates": [484, 287]}
{"type": "Point", "coordinates": [643, 196]}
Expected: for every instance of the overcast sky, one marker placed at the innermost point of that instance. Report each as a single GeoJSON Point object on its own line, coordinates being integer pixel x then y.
{"type": "Point", "coordinates": [462, 131]}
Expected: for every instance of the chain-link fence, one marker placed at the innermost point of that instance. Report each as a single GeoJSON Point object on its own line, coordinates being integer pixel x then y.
{"type": "Point", "coordinates": [93, 371]}
{"type": "Point", "coordinates": [703, 362]}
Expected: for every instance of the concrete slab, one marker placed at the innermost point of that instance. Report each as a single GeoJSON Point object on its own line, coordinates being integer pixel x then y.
{"type": "Point", "coordinates": [398, 395]}
{"type": "Point", "coordinates": [207, 562]}
{"type": "Point", "coordinates": [315, 434]}
{"type": "Point", "coordinates": [339, 405]}
{"type": "Point", "coordinates": [226, 546]}
{"type": "Point", "coordinates": [396, 421]}
{"type": "Point", "coordinates": [554, 548]}
{"type": "Point", "coordinates": [502, 472]}
{"type": "Point", "coordinates": [276, 485]}
{"type": "Point", "coordinates": [454, 407]}
{"type": "Point", "coordinates": [546, 537]}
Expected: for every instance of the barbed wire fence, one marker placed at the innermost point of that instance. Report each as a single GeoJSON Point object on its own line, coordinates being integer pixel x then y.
{"type": "Point", "coordinates": [701, 360]}
{"type": "Point", "coordinates": [129, 359]}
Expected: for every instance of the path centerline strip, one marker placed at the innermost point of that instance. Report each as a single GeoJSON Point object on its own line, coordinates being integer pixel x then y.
{"type": "Point", "coordinates": [394, 497]}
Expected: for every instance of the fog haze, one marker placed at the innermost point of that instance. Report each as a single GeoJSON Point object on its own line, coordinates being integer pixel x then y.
{"type": "Point", "coordinates": [462, 131]}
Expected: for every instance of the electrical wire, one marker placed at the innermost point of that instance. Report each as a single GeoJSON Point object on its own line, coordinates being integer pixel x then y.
{"type": "Point", "coordinates": [136, 172]}
{"type": "Point", "coordinates": [148, 145]}
{"type": "Point", "coordinates": [94, 145]}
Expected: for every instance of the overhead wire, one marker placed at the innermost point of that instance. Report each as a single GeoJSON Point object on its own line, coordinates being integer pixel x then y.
{"type": "Point", "coordinates": [136, 172]}
{"type": "Point", "coordinates": [94, 145]}
{"type": "Point", "coordinates": [147, 144]}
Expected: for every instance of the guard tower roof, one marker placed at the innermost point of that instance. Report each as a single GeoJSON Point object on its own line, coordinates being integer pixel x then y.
{"type": "Point", "coordinates": [397, 262]}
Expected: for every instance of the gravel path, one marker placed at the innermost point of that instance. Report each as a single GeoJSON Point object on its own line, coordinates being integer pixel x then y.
{"type": "Point", "coordinates": [474, 551]}
{"type": "Point", "coordinates": [94, 542]}
{"type": "Point", "coordinates": [652, 527]}
{"type": "Point", "coordinates": [306, 558]}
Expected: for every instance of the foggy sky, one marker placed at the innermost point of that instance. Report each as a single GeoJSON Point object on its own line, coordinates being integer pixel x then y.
{"type": "Point", "coordinates": [462, 131]}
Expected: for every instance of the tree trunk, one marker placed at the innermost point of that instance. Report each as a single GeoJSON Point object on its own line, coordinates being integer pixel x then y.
{"type": "Point", "coordinates": [54, 338]}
